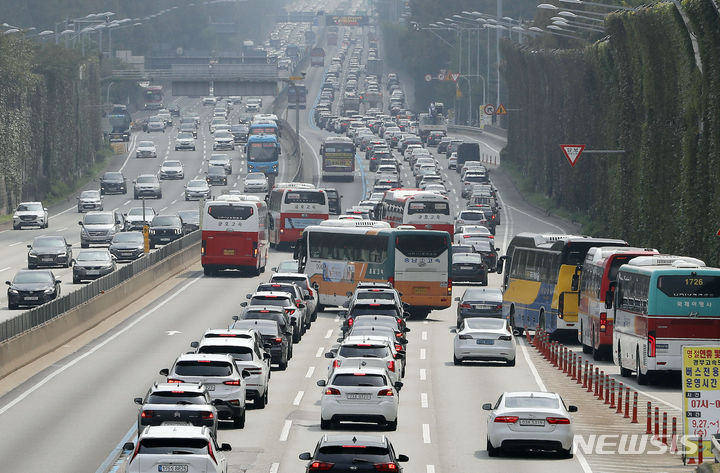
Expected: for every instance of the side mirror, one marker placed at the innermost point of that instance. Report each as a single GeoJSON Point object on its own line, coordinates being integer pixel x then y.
{"type": "Point", "coordinates": [80, 223]}
{"type": "Point", "coordinates": [398, 384]}
{"type": "Point", "coordinates": [305, 456]}
{"type": "Point", "coordinates": [301, 305]}
{"type": "Point", "coordinates": [572, 408]}
{"type": "Point", "coordinates": [235, 318]}
{"type": "Point", "coordinates": [340, 339]}
{"type": "Point", "coordinates": [274, 269]}
{"type": "Point", "coordinates": [343, 313]}
{"type": "Point", "coordinates": [245, 374]}
{"type": "Point", "coordinates": [608, 300]}
{"type": "Point", "coordinates": [194, 344]}
{"type": "Point", "coordinates": [575, 282]}
{"type": "Point", "coordinates": [57, 281]}
{"type": "Point", "coordinates": [315, 286]}
{"type": "Point", "coordinates": [267, 346]}
{"type": "Point", "coordinates": [248, 296]}
{"type": "Point", "coordinates": [8, 283]}
{"type": "Point", "coordinates": [128, 446]}
{"type": "Point", "coordinates": [329, 355]}
{"type": "Point", "coordinates": [348, 294]}
{"type": "Point", "coordinates": [307, 297]}
{"type": "Point", "coordinates": [243, 304]}
{"type": "Point", "coordinates": [453, 330]}
{"type": "Point", "coordinates": [399, 356]}
{"type": "Point", "coordinates": [164, 372]}
{"type": "Point", "coordinates": [406, 330]}
{"type": "Point", "coordinates": [457, 299]}
{"type": "Point", "coordinates": [225, 447]}
{"type": "Point", "coordinates": [321, 382]}
{"type": "Point", "coordinates": [346, 304]}
{"type": "Point", "coordinates": [403, 458]}
{"type": "Point", "coordinates": [487, 406]}
{"type": "Point", "coordinates": [138, 400]}
{"type": "Point", "coordinates": [266, 356]}
{"type": "Point", "coordinates": [68, 245]}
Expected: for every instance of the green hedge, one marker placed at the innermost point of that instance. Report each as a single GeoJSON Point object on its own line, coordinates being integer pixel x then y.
{"type": "Point", "coordinates": [638, 90]}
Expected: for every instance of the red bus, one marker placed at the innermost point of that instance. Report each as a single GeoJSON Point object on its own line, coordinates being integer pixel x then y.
{"type": "Point", "coordinates": [292, 207]}
{"type": "Point", "coordinates": [234, 234]}
{"type": "Point", "coordinates": [599, 275]}
{"type": "Point", "coordinates": [423, 210]}
{"type": "Point", "coordinates": [153, 97]}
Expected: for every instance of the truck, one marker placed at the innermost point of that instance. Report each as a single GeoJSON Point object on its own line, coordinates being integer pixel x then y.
{"type": "Point", "coordinates": [375, 66]}
{"type": "Point", "coordinates": [350, 103]}
{"type": "Point", "coordinates": [317, 57]}
{"type": "Point", "coordinates": [434, 120]}
{"type": "Point", "coordinates": [120, 120]}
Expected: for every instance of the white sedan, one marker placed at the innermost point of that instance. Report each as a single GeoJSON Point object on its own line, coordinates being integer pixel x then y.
{"type": "Point", "coordinates": [484, 339]}
{"type": "Point", "coordinates": [530, 420]}
{"type": "Point", "coordinates": [359, 394]}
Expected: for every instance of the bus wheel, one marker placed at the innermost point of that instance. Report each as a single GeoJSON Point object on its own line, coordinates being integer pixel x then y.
{"type": "Point", "coordinates": [596, 353]}
{"type": "Point", "coordinates": [624, 372]}
{"type": "Point", "coordinates": [208, 271]}
{"type": "Point", "coordinates": [587, 349]}
{"type": "Point", "coordinates": [641, 378]}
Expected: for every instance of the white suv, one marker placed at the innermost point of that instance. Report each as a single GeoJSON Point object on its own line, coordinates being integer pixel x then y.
{"type": "Point", "coordinates": [30, 213]}
{"type": "Point", "coordinates": [359, 393]}
{"type": "Point", "coordinates": [221, 377]}
{"type": "Point", "coordinates": [158, 448]}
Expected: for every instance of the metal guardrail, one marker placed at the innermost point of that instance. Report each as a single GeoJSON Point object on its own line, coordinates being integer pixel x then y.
{"type": "Point", "coordinates": [46, 312]}
{"type": "Point", "coordinates": [200, 73]}
{"type": "Point", "coordinates": [715, 447]}
{"type": "Point", "coordinates": [501, 132]}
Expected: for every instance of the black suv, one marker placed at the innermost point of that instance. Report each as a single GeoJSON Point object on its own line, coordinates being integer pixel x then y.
{"type": "Point", "coordinates": [113, 183]}
{"type": "Point", "coordinates": [380, 307]}
{"type": "Point", "coordinates": [352, 453]}
{"type": "Point", "coordinates": [165, 228]}
{"type": "Point", "coordinates": [280, 339]}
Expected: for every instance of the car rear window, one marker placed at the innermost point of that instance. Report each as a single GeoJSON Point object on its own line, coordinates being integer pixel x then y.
{"type": "Point", "coordinates": [359, 379]}
{"type": "Point", "coordinates": [389, 296]}
{"type": "Point", "coordinates": [302, 282]}
{"type": "Point", "coordinates": [348, 453]}
{"type": "Point", "coordinates": [365, 310]}
{"type": "Point", "coordinates": [467, 258]}
{"type": "Point", "coordinates": [176, 397]}
{"type": "Point", "coordinates": [370, 351]}
{"type": "Point", "coordinates": [238, 353]}
{"type": "Point", "coordinates": [531, 402]}
{"type": "Point", "coordinates": [266, 330]}
{"type": "Point", "coordinates": [203, 368]}
{"type": "Point", "coordinates": [274, 301]}
{"type": "Point", "coordinates": [170, 446]}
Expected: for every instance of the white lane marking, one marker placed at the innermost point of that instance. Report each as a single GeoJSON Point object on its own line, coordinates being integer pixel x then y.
{"type": "Point", "coordinates": [425, 322]}
{"type": "Point", "coordinates": [536, 218]}
{"type": "Point", "coordinates": [298, 398]}
{"type": "Point", "coordinates": [423, 335]}
{"type": "Point", "coordinates": [127, 202]}
{"type": "Point", "coordinates": [424, 400]}
{"type": "Point", "coordinates": [315, 155]}
{"type": "Point", "coordinates": [74, 207]}
{"type": "Point", "coordinates": [173, 202]}
{"type": "Point", "coordinates": [285, 431]}
{"type": "Point", "coordinates": [310, 372]}
{"type": "Point", "coordinates": [235, 185]}
{"type": "Point", "coordinates": [319, 352]}
{"type": "Point", "coordinates": [16, 243]}
{"type": "Point", "coordinates": [61, 229]}
{"type": "Point", "coordinates": [4, 269]}
{"type": "Point", "coordinates": [429, 468]}
{"type": "Point", "coordinates": [422, 353]}
{"type": "Point", "coordinates": [274, 468]}
{"type": "Point", "coordinates": [94, 349]}
{"type": "Point", "coordinates": [426, 433]}
{"type": "Point", "coordinates": [130, 151]}
{"type": "Point", "coordinates": [423, 374]}
{"type": "Point", "coordinates": [163, 209]}
{"type": "Point", "coordinates": [329, 333]}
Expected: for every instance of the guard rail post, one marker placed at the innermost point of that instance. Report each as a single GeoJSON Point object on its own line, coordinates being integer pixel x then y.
{"type": "Point", "coordinates": [648, 427]}
{"type": "Point", "coordinates": [635, 408]}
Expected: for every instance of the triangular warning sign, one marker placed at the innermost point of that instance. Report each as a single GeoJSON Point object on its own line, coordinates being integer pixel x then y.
{"type": "Point", "coordinates": [501, 110]}
{"type": "Point", "coordinates": [572, 152]}
{"type": "Point", "coordinates": [455, 76]}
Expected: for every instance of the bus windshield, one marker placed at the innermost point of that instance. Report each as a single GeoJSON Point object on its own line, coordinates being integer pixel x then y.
{"type": "Point", "coordinates": [428, 208]}
{"type": "Point", "coordinates": [689, 286]}
{"type": "Point", "coordinates": [305, 197]}
{"type": "Point", "coordinates": [262, 152]}
{"type": "Point", "coordinates": [429, 246]}
{"type": "Point", "coordinates": [230, 212]}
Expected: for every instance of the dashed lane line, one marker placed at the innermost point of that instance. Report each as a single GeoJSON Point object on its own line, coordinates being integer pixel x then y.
{"type": "Point", "coordinates": [310, 372]}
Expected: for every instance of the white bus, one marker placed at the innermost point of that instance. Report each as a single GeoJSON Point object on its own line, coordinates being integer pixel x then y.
{"type": "Point", "coordinates": [292, 207]}
{"type": "Point", "coordinates": [421, 209]}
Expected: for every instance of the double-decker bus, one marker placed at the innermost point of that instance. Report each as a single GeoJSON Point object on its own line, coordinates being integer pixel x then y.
{"type": "Point", "coordinates": [338, 158]}
{"type": "Point", "coordinates": [262, 152]}
{"type": "Point", "coordinates": [421, 209]}
{"type": "Point", "coordinates": [661, 303]}
{"type": "Point", "coordinates": [542, 280]}
{"type": "Point", "coordinates": [234, 234]}
{"type": "Point", "coordinates": [263, 128]}
{"type": "Point", "coordinates": [294, 206]}
{"type": "Point", "coordinates": [597, 283]}
{"type": "Point", "coordinates": [153, 97]}
{"type": "Point", "coordinates": [339, 254]}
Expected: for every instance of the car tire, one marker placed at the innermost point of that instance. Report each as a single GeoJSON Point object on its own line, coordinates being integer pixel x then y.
{"type": "Point", "coordinates": [391, 426]}
{"type": "Point", "coordinates": [12, 306]}
{"type": "Point", "coordinates": [152, 246]}
{"type": "Point", "coordinates": [283, 364]}
{"type": "Point", "coordinates": [239, 422]}
{"type": "Point", "coordinates": [76, 280]}
{"type": "Point", "coordinates": [325, 424]}
{"type": "Point", "coordinates": [642, 379]}
{"type": "Point", "coordinates": [135, 196]}
{"type": "Point", "coordinates": [32, 266]}
{"type": "Point", "coordinates": [261, 402]}
{"type": "Point", "coordinates": [320, 308]}
{"type": "Point", "coordinates": [296, 335]}
{"type": "Point", "coordinates": [492, 451]}
{"type": "Point", "coordinates": [456, 361]}
{"type": "Point", "coordinates": [511, 362]}
{"type": "Point", "coordinates": [566, 453]}
{"type": "Point", "coordinates": [16, 227]}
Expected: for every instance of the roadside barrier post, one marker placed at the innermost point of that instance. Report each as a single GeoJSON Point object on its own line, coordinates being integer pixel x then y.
{"type": "Point", "coordinates": [673, 442]}
{"type": "Point", "coordinates": [648, 428]}
{"type": "Point", "coordinates": [601, 381]}
{"type": "Point", "coordinates": [585, 375]}
{"type": "Point", "coordinates": [619, 400]}
{"type": "Point", "coordinates": [627, 403]}
{"type": "Point", "coordinates": [580, 371]}
{"type": "Point", "coordinates": [573, 366]}
{"type": "Point", "coordinates": [612, 393]}
{"type": "Point", "coordinates": [607, 389]}
{"type": "Point", "coordinates": [590, 379]}
{"type": "Point", "coordinates": [635, 408]}
{"type": "Point", "coordinates": [664, 439]}
{"type": "Point", "coordinates": [700, 450]}
{"type": "Point", "coordinates": [657, 422]}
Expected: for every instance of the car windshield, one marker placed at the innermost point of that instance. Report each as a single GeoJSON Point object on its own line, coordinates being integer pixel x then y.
{"type": "Point", "coordinates": [128, 237]}
{"type": "Point", "coordinates": [185, 136]}
{"type": "Point", "coordinates": [197, 184]}
{"type": "Point", "coordinates": [482, 245]}
{"type": "Point", "coordinates": [93, 256]}
{"type": "Point", "coordinates": [266, 330]}
{"type": "Point", "coordinates": [359, 379]}
{"type": "Point", "coordinates": [217, 170]}
{"type": "Point", "coordinates": [90, 195]}
{"type": "Point", "coordinates": [479, 323]}
{"type": "Point", "coordinates": [255, 176]}
{"type": "Point", "coordinates": [301, 281]}
{"type": "Point", "coordinates": [146, 144]}
{"type": "Point", "coordinates": [173, 446]}
{"type": "Point", "coordinates": [364, 310]}
{"type": "Point", "coordinates": [471, 216]}
{"type": "Point", "coordinates": [172, 164]}
{"type": "Point", "coordinates": [166, 220]}
{"type": "Point", "coordinates": [30, 207]}
{"type": "Point", "coordinates": [288, 266]}
{"type": "Point", "coordinates": [222, 134]}
{"type": "Point", "coordinates": [531, 402]}
{"type": "Point", "coordinates": [203, 368]}
{"type": "Point", "coordinates": [188, 216]}
{"type": "Point", "coordinates": [138, 211]}
{"type": "Point", "coordinates": [112, 176]}
{"type": "Point", "coordinates": [238, 353]}
{"type": "Point", "coordinates": [389, 296]}
{"type": "Point", "coordinates": [146, 179]}
{"type": "Point", "coordinates": [364, 351]}
{"type": "Point", "coordinates": [99, 219]}
{"type": "Point", "coordinates": [48, 243]}
{"type": "Point", "coordinates": [466, 258]}
{"type": "Point", "coordinates": [176, 397]}
{"type": "Point", "coordinates": [30, 277]}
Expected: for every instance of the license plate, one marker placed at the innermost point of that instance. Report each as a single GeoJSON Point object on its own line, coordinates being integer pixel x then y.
{"type": "Point", "coordinates": [31, 298]}
{"type": "Point", "coordinates": [210, 387]}
{"type": "Point", "coordinates": [182, 468]}
{"type": "Point", "coordinates": [164, 239]}
{"type": "Point", "coordinates": [485, 341]}
{"type": "Point", "coordinates": [420, 290]}
{"type": "Point", "coordinates": [466, 267]}
{"type": "Point", "coordinates": [47, 260]}
{"type": "Point", "coordinates": [536, 422]}
{"type": "Point", "coordinates": [358, 396]}
{"type": "Point", "coordinates": [92, 272]}
{"type": "Point", "coordinates": [227, 252]}
{"type": "Point", "coordinates": [481, 306]}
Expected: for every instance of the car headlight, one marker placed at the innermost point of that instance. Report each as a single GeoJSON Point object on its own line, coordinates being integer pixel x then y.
{"type": "Point", "coordinates": [83, 231]}
{"type": "Point", "coordinates": [12, 291]}
{"type": "Point", "coordinates": [31, 255]}
{"type": "Point", "coordinates": [152, 232]}
{"type": "Point", "coordinates": [62, 255]}
{"type": "Point", "coordinates": [49, 290]}
{"type": "Point", "coordinates": [177, 231]}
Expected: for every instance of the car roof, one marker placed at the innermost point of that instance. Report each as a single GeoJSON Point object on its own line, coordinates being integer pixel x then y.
{"type": "Point", "coordinates": [543, 394]}
{"type": "Point", "coordinates": [297, 276]}
{"type": "Point", "coordinates": [204, 356]}
{"type": "Point", "coordinates": [360, 339]}
{"type": "Point", "coordinates": [353, 439]}
{"type": "Point", "coordinates": [228, 341]}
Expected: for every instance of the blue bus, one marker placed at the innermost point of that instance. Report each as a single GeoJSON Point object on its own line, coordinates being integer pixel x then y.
{"type": "Point", "coordinates": [263, 153]}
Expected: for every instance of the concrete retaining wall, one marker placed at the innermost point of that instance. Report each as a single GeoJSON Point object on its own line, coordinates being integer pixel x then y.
{"type": "Point", "coordinates": [41, 340]}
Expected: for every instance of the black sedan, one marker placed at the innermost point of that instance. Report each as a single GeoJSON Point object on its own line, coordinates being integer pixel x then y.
{"type": "Point", "coordinates": [127, 246]}
{"type": "Point", "coordinates": [31, 288]}
{"type": "Point", "coordinates": [469, 267]}
{"type": "Point", "coordinates": [165, 228]}
{"type": "Point", "coordinates": [479, 302]}
{"type": "Point", "coordinates": [49, 250]}
{"type": "Point", "coordinates": [216, 176]}
{"type": "Point", "coordinates": [190, 219]}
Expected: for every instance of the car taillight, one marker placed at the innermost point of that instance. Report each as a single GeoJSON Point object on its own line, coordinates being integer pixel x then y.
{"type": "Point", "coordinates": [465, 306]}
{"type": "Point", "coordinates": [146, 414]}
{"type": "Point", "coordinates": [498, 307]}
{"type": "Point", "coordinates": [398, 347]}
{"type": "Point", "coordinates": [506, 419]}
{"type": "Point", "coordinates": [336, 363]}
{"type": "Point", "coordinates": [386, 467]}
{"type": "Point", "coordinates": [557, 420]}
{"type": "Point", "coordinates": [311, 293]}
{"type": "Point", "coordinates": [332, 392]}
{"type": "Point", "coordinates": [350, 322]}
{"type": "Point", "coordinates": [492, 218]}
{"type": "Point", "coordinates": [208, 415]}
{"type": "Point", "coordinates": [391, 280]}
{"type": "Point", "coordinates": [320, 466]}
{"type": "Point", "coordinates": [278, 340]}
{"type": "Point", "coordinates": [603, 321]}
{"type": "Point", "coordinates": [385, 392]}
{"type": "Point", "coordinates": [391, 365]}
{"type": "Point", "coordinates": [289, 311]}
{"type": "Point", "coordinates": [172, 380]}
{"type": "Point", "coordinates": [505, 338]}
{"type": "Point", "coordinates": [211, 453]}
{"type": "Point", "coordinates": [135, 452]}
{"type": "Point", "coordinates": [202, 248]}
{"type": "Point", "coordinates": [232, 382]}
